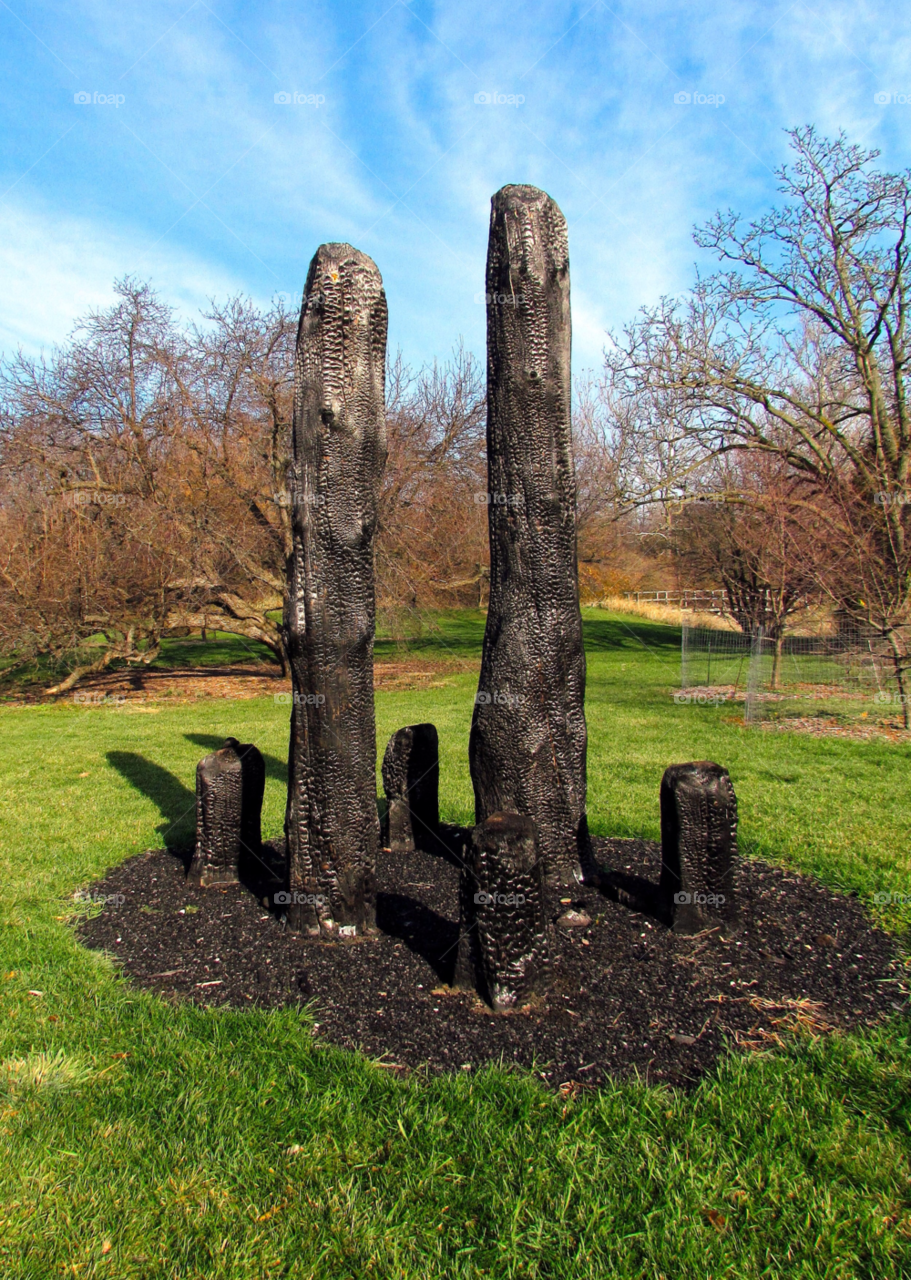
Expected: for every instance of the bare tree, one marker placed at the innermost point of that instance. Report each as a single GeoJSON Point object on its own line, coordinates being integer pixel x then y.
{"type": "Point", "coordinates": [798, 349]}
{"type": "Point", "coordinates": [233, 383]}
{"type": "Point", "coordinates": [742, 532]}
{"type": "Point", "coordinates": [623, 473]}
{"type": "Point", "coordinates": [144, 484]}
{"type": "Point", "coordinates": [153, 464]}
{"type": "Point", "coordinates": [432, 541]}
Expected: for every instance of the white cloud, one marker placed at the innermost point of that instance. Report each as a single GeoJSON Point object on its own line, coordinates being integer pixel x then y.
{"type": "Point", "coordinates": [57, 268]}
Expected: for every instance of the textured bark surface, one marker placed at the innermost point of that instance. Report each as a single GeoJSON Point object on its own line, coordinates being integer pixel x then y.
{"type": "Point", "coordinates": [411, 781]}
{"type": "Point", "coordinates": [504, 951]}
{"type": "Point", "coordinates": [229, 800]}
{"type": "Point", "coordinates": [528, 738]}
{"type": "Point", "coordinates": [339, 452]}
{"type": "Point", "coordinates": [698, 845]}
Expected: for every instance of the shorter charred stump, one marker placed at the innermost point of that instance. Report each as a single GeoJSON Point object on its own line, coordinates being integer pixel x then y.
{"type": "Point", "coordinates": [504, 947]}
{"type": "Point", "coordinates": [229, 800]}
{"type": "Point", "coordinates": [698, 846]}
{"type": "Point", "coordinates": [411, 780]}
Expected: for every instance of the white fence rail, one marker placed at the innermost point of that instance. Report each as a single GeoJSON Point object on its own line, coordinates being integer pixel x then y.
{"type": "Point", "coordinates": [697, 598]}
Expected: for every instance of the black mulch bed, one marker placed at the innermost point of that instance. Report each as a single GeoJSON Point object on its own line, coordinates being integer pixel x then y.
{"type": "Point", "coordinates": [628, 994]}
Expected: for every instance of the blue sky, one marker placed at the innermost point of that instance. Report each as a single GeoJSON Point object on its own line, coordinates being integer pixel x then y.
{"type": "Point", "coordinates": [184, 169]}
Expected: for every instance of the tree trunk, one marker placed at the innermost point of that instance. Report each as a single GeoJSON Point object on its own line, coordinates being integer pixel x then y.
{"type": "Point", "coordinates": [277, 649]}
{"type": "Point", "coordinates": [776, 660]}
{"type": "Point", "coordinates": [90, 669]}
{"type": "Point", "coordinates": [123, 650]}
{"type": "Point", "coordinates": [527, 749]}
{"type": "Point", "coordinates": [338, 457]}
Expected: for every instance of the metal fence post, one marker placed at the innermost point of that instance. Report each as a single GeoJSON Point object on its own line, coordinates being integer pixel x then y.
{"type": "Point", "coordinates": [752, 705]}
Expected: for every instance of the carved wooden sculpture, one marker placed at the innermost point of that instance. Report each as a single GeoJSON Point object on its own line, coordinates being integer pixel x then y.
{"type": "Point", "coordinates": [504, 951]}
{"type": "Point", "coordinates": [229, 800]}
{"type": "Point", "coordinates": [698, 845]}
{"type": "Point", "coordinates": [528, 737]}
{"type": "Point", "coordinates": [411, 780]}
{"type": "Point", "coordinates": [338, 456]}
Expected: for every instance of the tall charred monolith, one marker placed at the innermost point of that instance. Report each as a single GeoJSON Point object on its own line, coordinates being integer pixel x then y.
{"type": "Point", "coordinates": [338, 456]}
{"type": "Point", "coordinates": [528, 738]}
{"type": "Point", "coordinates": [504, 945]}
{"type": "Point", "coordinates": [229, 799]}
{"type": "Point", "coordinates": [411, 780]}
{"type": "Point", "coordinates": [698, 846]}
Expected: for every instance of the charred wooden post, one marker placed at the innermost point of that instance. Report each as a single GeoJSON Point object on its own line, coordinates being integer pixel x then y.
{"type": "Point", "coordinates": [338, 456]}
{"type": "Point", "coordinates": [504, 951]}
{"type": "Point", "coordinates": [528, 737]}
{"type": "Point", "coordinates": [411, 780]}
{"type": "Point", "coordinates": [698, 846]}
{"type": "Point", "coordinates": [229, 799]}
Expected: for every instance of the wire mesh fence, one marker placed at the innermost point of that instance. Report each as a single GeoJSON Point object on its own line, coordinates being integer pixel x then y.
{"type": "Point", "coordinates": [849, 668]}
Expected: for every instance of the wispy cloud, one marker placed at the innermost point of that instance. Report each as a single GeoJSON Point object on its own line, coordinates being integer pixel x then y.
{"type": "Point", "coordinates": [203, 182]}
{"type": "Point", "coordinates": [55, 268]}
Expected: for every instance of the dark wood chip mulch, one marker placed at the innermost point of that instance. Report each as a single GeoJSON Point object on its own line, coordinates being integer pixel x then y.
{"type": "Point", "coordinates": [628, 995]}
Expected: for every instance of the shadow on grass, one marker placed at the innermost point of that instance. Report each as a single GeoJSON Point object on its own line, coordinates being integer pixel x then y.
{"type": "Point", "coordinates": [637, 633]}
{"type": "Point", "coordinates": [176, 802]}
{"type": "Point", "coordinates": [219, 650]}
{"type": "Point", "coordinates": [442, 634]}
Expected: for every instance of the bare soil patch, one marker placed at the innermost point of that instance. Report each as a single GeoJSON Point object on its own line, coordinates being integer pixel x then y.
{"type": "Point", "coordinates": [251, 680]}
{"type": "Point", "coordinates": [828, 726]}
{"type": "Point", "coordinates": [828, 723]}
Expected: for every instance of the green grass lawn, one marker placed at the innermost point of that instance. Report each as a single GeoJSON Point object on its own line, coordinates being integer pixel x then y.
{"type": "Point", "coordinates": [145, 1140]}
